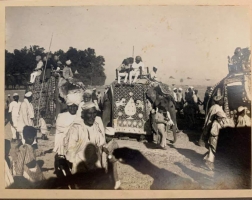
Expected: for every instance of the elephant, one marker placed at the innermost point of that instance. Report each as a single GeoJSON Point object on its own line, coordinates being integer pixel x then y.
{"type": "Point", "coordinates": [154, 94]}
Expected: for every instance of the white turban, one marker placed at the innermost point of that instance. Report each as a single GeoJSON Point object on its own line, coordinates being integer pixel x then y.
{"type": "Point", "coordinates": [28, 94]}
{"type": "Point", "coordinates": [73, 98]}
{"type": "Point", "coordinates": [68, 62]}
{"type": "Point", "coordinates": [241, 108]}
{"type": "Point", "coordinates": [88, 105]}
{"type": "Point", "coordinates": [15, 94]}
{"type": "Point", "coordinates": [180, 89]}
{"type": "Point", "coordinates": [88, 92]}
{"type": "Point", "coordinates": [174, 89]}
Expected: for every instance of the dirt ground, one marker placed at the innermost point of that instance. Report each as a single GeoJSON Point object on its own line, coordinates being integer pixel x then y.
{"type": "Point", "coordinates": [181, 166]}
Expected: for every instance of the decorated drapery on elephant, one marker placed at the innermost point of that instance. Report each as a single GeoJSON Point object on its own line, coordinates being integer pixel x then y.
{"type": "Point", "coordinates": [127, 109]}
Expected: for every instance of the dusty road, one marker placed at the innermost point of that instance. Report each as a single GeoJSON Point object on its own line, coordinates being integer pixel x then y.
{"type": "Point", "coordinates": [178, 167]}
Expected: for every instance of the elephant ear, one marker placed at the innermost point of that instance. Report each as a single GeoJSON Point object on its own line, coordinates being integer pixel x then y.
{"type": "Point", "coordinates": [151, 94]}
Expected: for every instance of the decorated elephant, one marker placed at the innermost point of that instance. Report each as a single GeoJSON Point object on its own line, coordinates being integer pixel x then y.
{"type": "Point", "coordinates": [128, 109]}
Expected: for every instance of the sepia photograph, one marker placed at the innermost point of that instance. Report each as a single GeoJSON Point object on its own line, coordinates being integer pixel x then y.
{"type": "Point", "coordinates": [127, 97]}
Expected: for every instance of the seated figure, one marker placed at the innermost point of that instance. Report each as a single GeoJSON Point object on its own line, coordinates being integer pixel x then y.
{"type": "Point", "coordinates": [243, 119]}
{"type": "Point", "coordinates": [122, 71]}
{"type": "Point", "coordinates": [136, 67]}
{"type": "Point", "coordinates": [37, 70]}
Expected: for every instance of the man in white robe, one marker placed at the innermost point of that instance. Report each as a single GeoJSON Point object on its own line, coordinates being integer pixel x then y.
{"type": "Point", "coordinates": [220, 121]}
{"type": "Point", "coordinates": [37, 70]}
{"type": "Point", "coordinates": [14, 108]}
{"type": "Point", "coordinates": [210, 117]}
{"type": "Point", "coordinates": [64, 121]}
{"type": "Point", "coordinates": [136, 69]}
{"type": "Point", "coordinates": [26, 115]}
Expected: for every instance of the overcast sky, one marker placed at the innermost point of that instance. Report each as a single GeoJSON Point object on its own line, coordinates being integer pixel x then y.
{"type": "Point", "coordinates": [182, 41]}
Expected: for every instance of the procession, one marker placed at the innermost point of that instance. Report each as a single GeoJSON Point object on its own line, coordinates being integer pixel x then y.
{"type": "Point", "coordinates": [74, 122]}
{"type": "Point", "coordinates": [85, 139]}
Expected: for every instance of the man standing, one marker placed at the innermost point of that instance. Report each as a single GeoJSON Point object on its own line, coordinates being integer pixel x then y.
{"type": "Point", "coordinates": [67, 71]}
{"type": "Point", "coordinates": [7, 116]}
{"type": "Point", "coordinates": [220, 121]}
{"type": "Point", "coordinates": [153, 75]}
{"type": "Point", "coordinates": [87, 97]}
{"type": "Point", "coordinates": [14, 113]}
{"type": "Point", "coordinates": [136, 69]}
{"type": "Point", "coordinates": [180, 100]}
{"type": "Point", "coordinates": [218, 100]}
{"type": "Point", "coordinates": [8, 101]}
{"type": "Point", "coordinates": [26, 115]}
{"type": "Point", "coordinates": [95, 100]}
{"type": "Point", "coordinates": [175, 91]}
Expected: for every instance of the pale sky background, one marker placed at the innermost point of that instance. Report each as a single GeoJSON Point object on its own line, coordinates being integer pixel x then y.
{"type": "Point", "coordinates": [182, 41]}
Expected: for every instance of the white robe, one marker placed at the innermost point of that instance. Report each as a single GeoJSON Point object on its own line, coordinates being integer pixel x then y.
{"type": "Point", "coordinates": [63, 123]}
{"type": "Point", "coordinates": [77, 140]}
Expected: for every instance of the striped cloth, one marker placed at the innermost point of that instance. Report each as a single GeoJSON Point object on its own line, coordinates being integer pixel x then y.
{"type": "Point", "coordinates": [26, 165]}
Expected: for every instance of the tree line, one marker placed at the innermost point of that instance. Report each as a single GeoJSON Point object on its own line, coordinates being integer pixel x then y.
{"type": "Point", "coordinates": [21, 63]}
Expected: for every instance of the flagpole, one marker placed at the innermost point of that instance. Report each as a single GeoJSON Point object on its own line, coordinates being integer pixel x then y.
{"type": "Point", "coordinates": [43, 78]}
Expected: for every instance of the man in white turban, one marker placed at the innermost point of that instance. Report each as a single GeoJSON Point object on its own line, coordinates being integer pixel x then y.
{"type": "Point", "coordinates": [153, 75]}
{"type": "Point", "coordinates": [85, 141]}
{"type": "Point", "coordinates": [67, 71]}
{"type": "Point", "coordinates": [220, 121]}
{"type": "Point", "coordinates": [243, 119]}
{"type": "Point", "coordinates": [64, 120]}
{"type": "Point", "coordinates": [37, 70]}
{"type": "Point", "coordinates": [87, 97]}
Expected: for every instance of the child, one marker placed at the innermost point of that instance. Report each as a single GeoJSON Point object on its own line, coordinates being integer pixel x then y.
{"type": "Point", "coordinates": [43, 126]}
{"type": "Point", "coordinates": [25, 166]}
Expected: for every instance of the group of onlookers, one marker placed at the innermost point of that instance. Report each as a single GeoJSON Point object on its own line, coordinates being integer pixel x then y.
{"type": "Point", "coordinates": [45, 67]}
{"type": "Point", "coordinates": [82, 142]}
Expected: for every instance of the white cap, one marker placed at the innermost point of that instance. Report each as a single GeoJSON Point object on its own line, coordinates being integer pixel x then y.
{"type": "Point", "coordinates": [180, 89]}
{"type": "Point", "coordinates": [94, 89]}
{"type": "Point", "coordinates": [68, 62]}
{"type": "Point", "coordinates": [15, 94]}
{"type": "Point", "coordinates": [174, 89]}
{"type": "Point", "coordinates": [28, 94]}
{"type": "Point", "coordinates": [9, 95]}
{"type": "Point", "coordinates": [241, 108]}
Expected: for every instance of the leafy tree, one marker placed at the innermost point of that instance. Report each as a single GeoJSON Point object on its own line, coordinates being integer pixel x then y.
{"type": "Point", "coordinates": [89, 66]}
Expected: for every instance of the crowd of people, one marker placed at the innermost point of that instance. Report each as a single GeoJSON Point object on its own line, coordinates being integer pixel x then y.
{"type": "Point", "coordinates": [82, 143]}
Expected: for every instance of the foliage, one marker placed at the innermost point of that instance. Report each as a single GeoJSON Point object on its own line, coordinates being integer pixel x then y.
{"type": "Point", "coordinates": [89, 66]}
